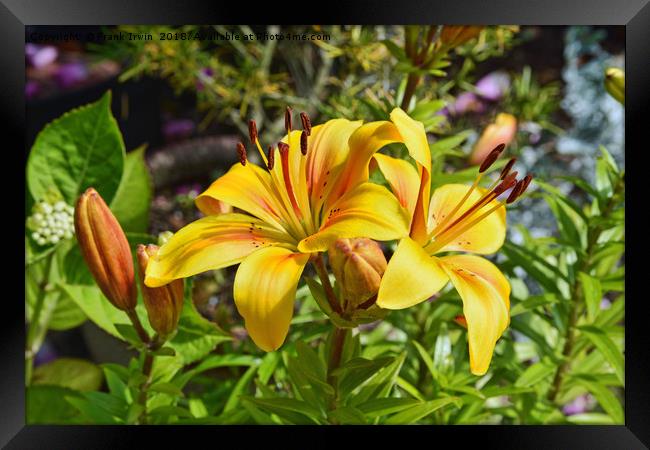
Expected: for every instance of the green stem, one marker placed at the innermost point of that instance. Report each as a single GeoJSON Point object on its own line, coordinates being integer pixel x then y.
{"type": "Point", "coordinates": [147, 367]}
{"type": "Point", "coordinates": [135, 320]}
{"type": "Point", "coordinates": [576, 297]}
{"type": "Point", "coordinates": [332, 299]}
{"type": "Point", "coordinates": [33, 329]}
{"type": "Point", "coordinates": [334, 362]}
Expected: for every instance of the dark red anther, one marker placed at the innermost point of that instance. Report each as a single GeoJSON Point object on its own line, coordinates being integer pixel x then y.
{"type": "Point", "coordinates": [241, 151]}
{"type": "Point", "coordinates": [303, 142]}
{"type": "Point", "coordinates": [516, 192]}
{"type": "Point", "coordinates": [306, 123]}
{"type": "Point", "coordinates": [252, 131]}
{"type": "Point", "coordinates": [287, 120]}
{"type": "Point", "coordinates": [270, 158]}
{"type": "Point", "coordinates": [283, 147]}
{"type": "Point", "coordinates": [507, 168]}
{"type": "Point", "coordinates": [527, 180]}
{"type": "Point", "coordinates": [508, 182]}
{"type": "Point", "coordinates": [490, 158]}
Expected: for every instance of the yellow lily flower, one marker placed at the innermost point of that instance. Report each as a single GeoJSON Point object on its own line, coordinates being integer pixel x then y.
{"type": "Point", "coordinates": [314, 192]}
{"type": "Point", "coordinates": [455, 218]}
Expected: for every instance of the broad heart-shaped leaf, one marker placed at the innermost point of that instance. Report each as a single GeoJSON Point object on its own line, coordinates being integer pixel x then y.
{"type": "Point", "coordinates": [82, 148]}
{"type": "Point", "coordinates": [71, 373]}
{"type": "Point", "coordinates": [47, 405]}
{"type": "Point", "coordinates": [133, 197]}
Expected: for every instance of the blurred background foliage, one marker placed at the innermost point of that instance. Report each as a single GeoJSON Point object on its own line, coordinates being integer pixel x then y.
{"type": "Point", "coordinates": [561, 359]}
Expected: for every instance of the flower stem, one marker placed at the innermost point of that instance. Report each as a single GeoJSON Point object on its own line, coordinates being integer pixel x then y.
{"type": "Point", "coordinates": [576, 297]}
{"type": "Point", "coordinates": [135, 320]}
{"type": "Point", "coordinates": [147, 367]}
{"type": "Point", "coordinates": [319, 264]}
{"type": "Point", "coordinates": [34, 327]}
{"type": "Point", "coordinates": [334, 362]}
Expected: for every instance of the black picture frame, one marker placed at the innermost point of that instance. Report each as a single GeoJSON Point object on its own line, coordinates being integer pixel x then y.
{"type": "Point", "coordinates": [16, 14]}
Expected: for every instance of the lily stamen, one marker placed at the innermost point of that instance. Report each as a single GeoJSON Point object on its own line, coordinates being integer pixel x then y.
{"type": "Point", "coordinates": [487, 162]}
{"type": "Point", "coordinates": [271, 158]}
{"type": "Point", "coordinates": [288, 120]}
{"type": "Point", "coordinates": [283, 148]}
{"type": "Point", "coordinates": [241, 152]}
{"type": "Point", "coordinates": [303, 142]}
{"type": "Point", "coordinates": [306, 123]}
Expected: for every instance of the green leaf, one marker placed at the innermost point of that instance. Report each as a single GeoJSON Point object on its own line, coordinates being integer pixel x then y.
{"type": "Point", "coordinates": [417, 412]}
{"type": "Point", "coordinates": [536, 373]}
{"type": "Point", "coordinates": [382, 383]}
{"type": "Point", "coordinates": [445, 144]}
{"type": "Point", "coordinates": [427, 361]}
{"type": "Point", "coordinates": [279, 405]}
{"type": "Point", "coordinates": [213, 362]}
{"type": "Point", "coordinates": [590, 419]}
{"type": "Point", "coordinates": [242, 383]}
{"type": "Point", "coordinates": [608, 348]}
{"type": "Point", "coordinates": [196, 336]}
{"type": "Point", "coordinates": [541, 270]}
{"type": "Point", "coordinates": [133, 197]}
{"type": "Point", "coordinates": [592, 293]}
{"type": "Point", "coordinates": [47, 405]}
{"type": "Point", "coordinates": [80, 149]}
{"type": "Point", "coordinates": [532, 302]}
{"type": "Point", "coordinates": [167, 388]}
{"type": "Point", "coordinates": [347, 415]}
{"type": "Point", "coordinates": [101, 408]}
{"type": "Point", "coordinates": [72, 373]}
{"type": "Point", "coordinates": [606, 399]}
{"type": "Point", "coordinates": [383, 406]}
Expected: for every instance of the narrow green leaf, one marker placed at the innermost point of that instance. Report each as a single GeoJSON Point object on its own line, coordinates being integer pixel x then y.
{"type": "Point", "coordinates": [607, 347]}
{"type": "Point", "coordinates": [417, 412]}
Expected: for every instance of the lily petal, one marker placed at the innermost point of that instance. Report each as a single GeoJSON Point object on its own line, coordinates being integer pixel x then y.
{"type": "Point", "coordinates": [363, 144]}
{"type": "Point", "coordinates": [415, 138]}
{"type": "Point", "coordinates": [264, 292]}
{"type": "Point", "coordinates": [485, 292]}
{"type": "Point", "coordinates": [485, 237]}
{"type": "Point", "coordinates": [247, 188]}
{"type": "Point", "coordinates": [327, 149]}
{"type": "Point", "coordinates": [403, 179]}
{"type": "Point", "coordinates": [369, 210]}
{"type": "Point", "coordinates": [210, 243]}
{"type": "Point", "coordinates": [412, 276]}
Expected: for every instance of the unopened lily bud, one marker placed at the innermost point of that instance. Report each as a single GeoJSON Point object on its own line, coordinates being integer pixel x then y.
{"type": "Point", "coordinates": [105, 249]}
{"type": "Point", "coordinates": [502, 131]}
{"type": "Point", "coordinates": [615, 83]}
{"type": "Point", "coordinates": [454, 36]}
{"type": "Point", "coordinates": [163, 304]}
{"type": "Point", "coordinates": [358, 265]}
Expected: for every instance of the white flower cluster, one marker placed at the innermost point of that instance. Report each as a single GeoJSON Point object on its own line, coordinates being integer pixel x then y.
{"type": "Point", "coordinates": [51, 223]}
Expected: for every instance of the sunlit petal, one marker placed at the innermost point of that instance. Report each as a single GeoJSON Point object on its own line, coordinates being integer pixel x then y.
{"type": "Point", "coordinates": [486, 304]}
{"type": "Point", "coordinates": [411, 277]}
{"type": "Point", "coordinates": [403, 179]}
{"type": "Point", "coordinates": [327, 151]}
{"type": "Point", "coordinates": [369, 210]}
{"type": "Point", "coordinates": [247, 188]}
{"type": "Point", "coordinates": [414, 137]}
{"type": "Point", "coordinates": [264, 292]}
{"type": "Point", "coordinates": [210, 243]}
{"type": "Point", "coordinates": [485, 237]}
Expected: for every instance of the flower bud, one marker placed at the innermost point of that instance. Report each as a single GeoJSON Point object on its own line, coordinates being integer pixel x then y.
{"type": "Point", "coordinates": [163, 304]}
{"type": "Point", "coordinates": [502, 131]}
{"type": "Point", "coordinates": [454, 36]}
{"type": "Point", "coordinates": [358, 265]}
{"type": "Point", "coordinates": [615, 83]}
{"type": "Point", "coordinates": [105, 249]}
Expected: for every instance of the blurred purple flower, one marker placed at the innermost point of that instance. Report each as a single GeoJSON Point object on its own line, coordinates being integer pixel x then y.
{"type": "Point", "coordinates": [467, 102]}
{"type": "Point", "coordinates": [204, 73]}
{"type": "Point", "coordinates": [45, 355]}
{"type": "Point", "coordinates": [32, 88]}
{"type": "Point", "coordinates": [178, 128]}
{"type": "Point", "coordinates": [493, 86]}
{"type": "Point", "coordinates": [40, 56]}
{"type": "Point", "coordinates": [70, 74]}
{"type": "Point", "coordinates": [186, 189]}
{"type": "Point", "coordinates": [605, 304]}
{"type": "Point", "coordinates": [579, 405]}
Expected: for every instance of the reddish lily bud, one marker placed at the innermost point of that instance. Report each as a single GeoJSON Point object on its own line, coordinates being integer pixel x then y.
{"type": "Point", "coordinates": [358, 265]}
{"type": "Point", "coordinates": [502, 131]}
{"type": "Point", "coordinates": [105, 249]}
{"type": "Point", "coordinates": [163, 304]}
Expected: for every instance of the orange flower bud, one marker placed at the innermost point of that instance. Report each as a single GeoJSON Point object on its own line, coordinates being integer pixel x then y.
{"type": "Point", "coordinates": [358, 265]}
{"type": "Point", "coordinates": [163, 304]}
{"type": "Point", "coordinates": [454, 36]}
{"type": "Point", "coordinates": [105, 249]}
{"type": "Point", "coordinates": [502, 131]}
